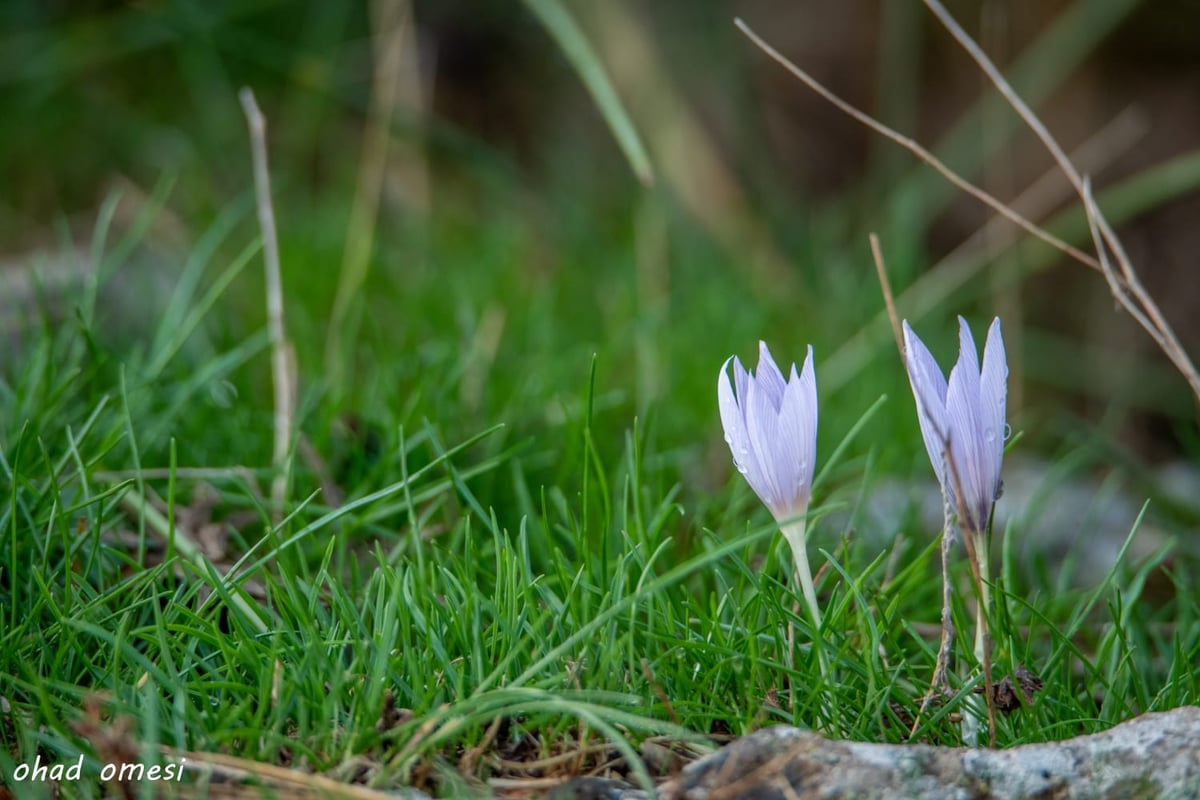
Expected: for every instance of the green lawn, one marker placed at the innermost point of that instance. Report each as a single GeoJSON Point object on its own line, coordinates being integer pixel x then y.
{"type": "Point", "coordinates": [513, 544]}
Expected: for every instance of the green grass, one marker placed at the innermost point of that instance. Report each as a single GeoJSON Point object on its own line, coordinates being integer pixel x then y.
{"type": "Point", "coordinates": [543, 559]}
{"type": "Point", "coordinates": [539, 546]}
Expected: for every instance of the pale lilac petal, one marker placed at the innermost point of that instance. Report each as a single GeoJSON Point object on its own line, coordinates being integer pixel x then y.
{"type": "Point", "coordinates": [732, 419]}
{"type": "Point", "coordinates": [967, 445]}
{"type": "Point", "coordinates": [771, 427]}
{"type": "Point", "coordinates": [762, 423]}
{"type": "Point", "coordinates": [967, 354]}
{"type": "Point", "coordinates": [929, 393]}
{"type": "Point", "coordinates": [806, 402]}
{"type": "Point", "coordinates": [796, 446]}
{"type": "Point", "coordinates": [769, 378]}
{"type": "Point", "coordinates": [741, 380]}
{"type": "Point", "coordinates": [993, 387]}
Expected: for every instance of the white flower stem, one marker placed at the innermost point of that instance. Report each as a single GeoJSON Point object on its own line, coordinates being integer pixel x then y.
{"type": "Point", "coordinates": [984, 598]}
{"type": "Point", "coordinates": [971, 720]}
{"type": "Point", "coordinates": [794, 533]}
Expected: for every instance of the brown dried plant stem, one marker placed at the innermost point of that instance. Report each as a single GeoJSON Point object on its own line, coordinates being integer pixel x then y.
{"type": "Point", "coordinates": [1124, 285]}
{"type": "Point", "coordinates": [940, 684]}
{"type": "Point", "coordinates": [283, 358]}
{"type": "Point", "coordinates": [977, 555]}
{"type": "Point", "coordinates": [916, 149]}
{"type": "Point", "coordinates": [889, 301]}
{"type": "Point", "coordinates": [960, 265]}
{"type": "Point", "coordinates": [395, 65]}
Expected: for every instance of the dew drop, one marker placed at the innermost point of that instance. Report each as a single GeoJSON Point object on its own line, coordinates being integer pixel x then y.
{"type": "Point", "coordinates": [1007, 431]}
{"type": "Point", "coordinates": [989, 435]}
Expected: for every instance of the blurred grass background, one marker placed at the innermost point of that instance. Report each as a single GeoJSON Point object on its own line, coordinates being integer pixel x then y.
{"type": "Point", "coordinates": [508, 223]}
{"type": "Point", "coordinates": [516, 269]}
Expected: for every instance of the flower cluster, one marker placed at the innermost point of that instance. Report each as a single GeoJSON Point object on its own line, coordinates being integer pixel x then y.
{"type": "Point", "coordinates": [771, 427]}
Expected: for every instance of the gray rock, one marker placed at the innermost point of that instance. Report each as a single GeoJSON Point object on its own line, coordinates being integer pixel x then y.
{"type": "Point", "coordinates": [1153, 756]}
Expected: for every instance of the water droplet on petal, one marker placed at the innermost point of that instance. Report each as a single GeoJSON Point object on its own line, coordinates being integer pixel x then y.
{"type": "Point", "coordinates": [1007, 431]}
{"type": "Point", "coordinates": [989, 435]}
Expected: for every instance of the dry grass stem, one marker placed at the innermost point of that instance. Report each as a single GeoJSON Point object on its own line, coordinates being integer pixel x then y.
{"type": "Point", "coordinates": [1142, 307]}
{"type": "Point", "coordinates": [390, 20]}
{"type": "Point", "coordinates": [916, 149]}
{"type": "Point", "coordinates": [245, 778]}
{"type": "Point", "coordinates": [888, 300]}
{"type": "Point", "coordinates": [975, 558]}
{"type": "Point", "coordinates": [1124, 286]}
{"type": "Point", "coordinates": [283, 357]}
{"type": "Point", "coordinates": [939, 684]}
{"type": "Point", "coordinates": [963, 263]}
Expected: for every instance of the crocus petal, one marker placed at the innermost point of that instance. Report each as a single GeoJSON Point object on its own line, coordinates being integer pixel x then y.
{"type": "Point", "coordinates": [965, 418]}
{"type": "Point", "coordinates": [796, 445]}
{"type": "Point", "coordinates": [929, 391]}
{"type": "Point", "coordinates": [741, 381]}
{"type": "Point", "coordinates": [807, 391]}
{"type": "Point", "coordinates": [769, 378]}
{"type": "Point", "coordinates": [762, 423]}
{"type": "Point", "coordinates": [993, 387]}
{"type": "Point", "coordinates": [771, 427]}
{"type": "Point", "coordinates": [732, 419]}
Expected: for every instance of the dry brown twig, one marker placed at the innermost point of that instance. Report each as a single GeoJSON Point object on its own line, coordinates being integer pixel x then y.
{"type": "Point", "coordinates": [1141, 307]}
{"type": "Point", "coordinates": [1125, 285]}
{"type": "Point", "coordinates": [889, 300]}
{"type": "Point", "coordinates": [393, 42]}
{"type": "Point", "coordinates": [975, 542]}
{"type": "Point", "coordinates": [283, 357]}
{"type": "Point", "coordinates": [964, 262]}
{"type": "Point", "coordinates": [940, 683]}
{"type": "Point", "coordinates": [1123, 281]}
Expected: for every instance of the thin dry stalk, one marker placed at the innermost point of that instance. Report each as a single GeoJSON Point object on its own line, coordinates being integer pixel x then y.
{"type": "Point", "coordinates": [916, 149]}
{"type": "Point", "coordinates": [283, 357]}
{"type": "Point", "coordinates": [940, 683]}
{"type": "Point", "coordinates": [228, 770]}
{"type": "Point", "coordinates": [961, 264]}
{"type": "Point", "coordinates": [1141, 307]}
{"type": "Point", "coordinates": [971, 539]}
{"type": "Point", "coordinates": [983, 649]}
{"type": "Point", "coordinates": [648, 674]}
{"type": "Point", "coordinates": [391, 20]}
{"type": "Point", "coordinates": [1124, 285]}
{"type": "Point", "coordinates": [888, 300]}
{"type": "Point", "coordinates": [470, 759]}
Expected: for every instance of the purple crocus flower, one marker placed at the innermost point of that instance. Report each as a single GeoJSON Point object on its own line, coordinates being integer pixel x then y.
{"type": "Point", "coordinates": [966, 413]}
{"type": "Point", "coordinates": [771, 428]}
